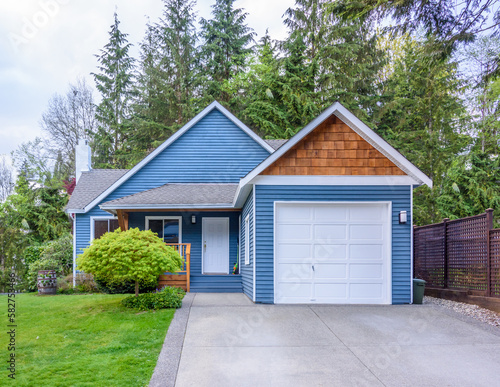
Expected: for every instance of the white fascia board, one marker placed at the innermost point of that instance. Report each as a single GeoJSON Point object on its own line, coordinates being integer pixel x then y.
{"type": "Point", "coordinates": [360, 128]}
{"type": "Point", "coordinates": [223, 206]}
{"type": "Point", "coordinates": [77, 211]}
{"type": "Point", "coordinates": [174, 137]}
{"type": "Point", "coordinates": [334, 180]}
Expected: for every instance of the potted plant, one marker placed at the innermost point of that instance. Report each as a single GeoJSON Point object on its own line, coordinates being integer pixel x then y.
{"type": "Point", "coordinates": [47, 282]}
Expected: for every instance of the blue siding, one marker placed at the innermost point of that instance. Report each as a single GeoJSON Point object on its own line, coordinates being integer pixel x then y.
{"type": "Point", "coordinates": [401, 233]}
{"type": "Point", "coordinates": [214, 150]}
{"type": "Point", "coordinates": [247, 270]}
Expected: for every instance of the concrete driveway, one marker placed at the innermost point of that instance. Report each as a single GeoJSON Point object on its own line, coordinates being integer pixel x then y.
{"type": "Point", "coordinates": [229, 341]}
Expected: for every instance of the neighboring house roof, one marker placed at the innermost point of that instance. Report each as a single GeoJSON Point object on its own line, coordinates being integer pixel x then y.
{"type": "Point", "coordinates": [276, 144]}
{"type": "Point", "coordinates": [170, 140]}
{"type": "Point", "coordinates": [357, 126]}
{"type": "Point", "coordinates": [178, 195]}
{"type": "Point", "coordinates": [90, 185]}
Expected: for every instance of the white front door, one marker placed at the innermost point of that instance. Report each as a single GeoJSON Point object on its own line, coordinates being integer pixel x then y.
{"type": "Point", "coordinates": [333, 253]}
{"type": "Point", "coordinates": [215, 248]}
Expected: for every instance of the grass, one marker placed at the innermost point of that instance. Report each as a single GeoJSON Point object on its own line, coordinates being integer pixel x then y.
{"type": "Point", "coordinates": [83, 340]}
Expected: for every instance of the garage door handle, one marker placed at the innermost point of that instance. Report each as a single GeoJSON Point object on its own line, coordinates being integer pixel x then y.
{"type": "Point", "coordinates": [313, 267]}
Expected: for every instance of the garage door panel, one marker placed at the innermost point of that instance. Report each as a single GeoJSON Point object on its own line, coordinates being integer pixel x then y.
{"type": "Point", "coordinates": [367, 231]}
{"type": "Point", "coordinates": [292, 213]}
{"type": "Point", "coordinates": [364, 271]}
{"type": "Point", "coordinates": [365, 291]}
{"type": "Point", "coordinates": [298, 251]}
{"type": "Point", "coordinates": [329, 232]}
{"type": "Point", "coordinates": [369, 252]}
{"type": "Point", "coordinates": [292, 290]}
{"type": "Point", "coordinates": [295, 272]}
{"type": "Point", "coordinates": [324, 291]}
{"type": "Point", "coordinates": [294, 232]}
{"type": "Point", "coordinates": [366, 213]}
{"type": "Point", "coordinates": [330, 271]}
{"type": "Point", "coordinates": [323, 251]}
{"type": "Point", "coordinates": [329, 214]}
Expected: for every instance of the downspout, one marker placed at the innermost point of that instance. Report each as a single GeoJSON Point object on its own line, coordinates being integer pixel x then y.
{"type": "Point", "coordinates": [411, 245]}
{"type": "Point", "coordinates": [73, 217]}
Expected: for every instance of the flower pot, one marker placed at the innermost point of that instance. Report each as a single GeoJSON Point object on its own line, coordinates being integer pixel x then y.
{"type": "Point", "coordinates": [47, 282]}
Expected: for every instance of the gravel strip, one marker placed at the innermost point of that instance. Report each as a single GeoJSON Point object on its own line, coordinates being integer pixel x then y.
{"type": "Point", "coordinates": [474, 311]}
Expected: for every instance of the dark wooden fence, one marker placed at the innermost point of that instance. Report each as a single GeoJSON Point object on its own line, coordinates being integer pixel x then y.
{"type": "Point", "coordinates": [461, 254]}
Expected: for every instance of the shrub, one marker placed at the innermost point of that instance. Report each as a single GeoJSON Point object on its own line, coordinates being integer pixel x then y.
{"type": "Point", "coordinates": [32, 254]}
{"type": "Point", "coordinates": [131, 255]}
{"type": "Point", "coordinates": [60, 250]}
{"type": "Point", "coordinates": [84, 283]}
{"type": "Point", "coordinates": [168, 297]}
{"type": "Point", "coordinates": [113, 287]}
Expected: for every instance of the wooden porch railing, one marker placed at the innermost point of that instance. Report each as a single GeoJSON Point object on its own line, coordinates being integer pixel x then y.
{"type": "Point", "coordinates": [181, 278]}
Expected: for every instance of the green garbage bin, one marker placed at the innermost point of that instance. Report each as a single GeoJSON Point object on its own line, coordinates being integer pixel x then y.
{"type": "Point", "coordinates": [418, 290]}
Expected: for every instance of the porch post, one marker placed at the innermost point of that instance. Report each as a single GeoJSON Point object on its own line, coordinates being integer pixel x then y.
{"type": "Point", "coordinates": [122, 219]}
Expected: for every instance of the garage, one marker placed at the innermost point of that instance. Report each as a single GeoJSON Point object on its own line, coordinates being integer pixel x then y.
{"type": "Point", "coordinates": [332, 253]}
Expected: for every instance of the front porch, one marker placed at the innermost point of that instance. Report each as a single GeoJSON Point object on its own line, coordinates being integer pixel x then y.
{"type": "Point", "coordinates": [208, 240]}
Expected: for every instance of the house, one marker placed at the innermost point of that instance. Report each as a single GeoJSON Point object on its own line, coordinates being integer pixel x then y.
{"type": "Point", "coordinates": [325, 217]}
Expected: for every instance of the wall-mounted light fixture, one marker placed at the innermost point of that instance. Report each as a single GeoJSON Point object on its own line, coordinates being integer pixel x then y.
{"type": "Point", "coordinates": [403, 217]}
{"type": "Point", "coordinates": [193, 219]}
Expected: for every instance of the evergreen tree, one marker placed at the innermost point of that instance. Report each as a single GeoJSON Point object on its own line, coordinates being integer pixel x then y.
{"type": "Point", "coordinates": [345, 54]}
{"type": "Point", "coordinates": [114, 82]}
{"type": "Point", "coordinates": [422, 116]}
{"type": "Point", "coordinates": [225, 47]}
{"type": "Point", "coordinates": [168, 80]}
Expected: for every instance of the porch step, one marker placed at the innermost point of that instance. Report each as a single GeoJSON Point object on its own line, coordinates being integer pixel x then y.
{"type": "Point", "coordinates": [216, 283]}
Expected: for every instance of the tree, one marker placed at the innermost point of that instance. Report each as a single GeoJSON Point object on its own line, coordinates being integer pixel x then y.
{"type": "Point", "coordinates": [471, 186]}
{"type": "Point", "coordinates": [68, 118]}
{"type": "Point", "coordinates": [130, 255]}
{"type": "Point", "coordinates": [422, 116]}
{"type": "Point", "coordinates": [6, 179]}
{"type": "Point", "coordinates": [479, 58]}
{"type": "Point", "coordinates": [115, 83]}
{"type": "Point", "coordinates": [225, 46]}
{"type": "Point", "coordinates": [449, 22]}
{"type": "Point", "coordinates": [168, 79]}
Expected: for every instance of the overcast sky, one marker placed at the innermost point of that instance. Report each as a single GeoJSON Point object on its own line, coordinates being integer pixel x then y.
{"type": "Point", "coordinates": [47, 44]}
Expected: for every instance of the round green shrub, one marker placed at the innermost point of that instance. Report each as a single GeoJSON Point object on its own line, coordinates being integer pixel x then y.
{"type": "Point", "coordinates": [131, 255]}
{"type": "Point", "coordinates": [168, 297]}
{"type": "Point", "coordinates": [60, 250]}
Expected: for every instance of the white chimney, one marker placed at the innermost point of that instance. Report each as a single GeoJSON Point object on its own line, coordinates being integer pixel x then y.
{"type": "Point", "coordinates": [82, 158]}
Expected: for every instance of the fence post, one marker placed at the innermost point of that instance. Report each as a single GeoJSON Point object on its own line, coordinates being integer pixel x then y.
{"type": "Point", "coordinates": [445, 233]}
{"type": "Point", "coordinates": [489, 226]}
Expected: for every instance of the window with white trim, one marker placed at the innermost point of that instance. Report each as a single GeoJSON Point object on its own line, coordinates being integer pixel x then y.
{"type": "Point", "coordinates": [247, 240]}
{"type": "Point", "coordinates": [167, 228]}
{"type": "Point", "coordinates": [102, 226]}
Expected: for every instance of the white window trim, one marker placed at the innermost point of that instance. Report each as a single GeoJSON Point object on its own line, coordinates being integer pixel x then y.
{"type": "Point", "coordinates": [179, 218]}
{"type": "Point", "coordinates": [92, 226]}
{"type": "Point", "coordinates": [247, 240]}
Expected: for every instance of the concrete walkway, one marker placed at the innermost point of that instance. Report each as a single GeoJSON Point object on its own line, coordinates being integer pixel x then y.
{"type": "Point", "coordinates": [229, 341]}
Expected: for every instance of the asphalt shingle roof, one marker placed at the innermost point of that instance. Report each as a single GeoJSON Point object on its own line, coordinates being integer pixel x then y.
{"type": "Point", "coordinates": [179, 194]}
{"type": "Point", "coordinates": [91, 185]}
{"type": "Point", "coordinates": [276, 144]}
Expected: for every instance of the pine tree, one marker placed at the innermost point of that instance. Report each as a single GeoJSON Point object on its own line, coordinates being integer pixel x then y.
{"type": "Point", "coordinates": [422, 116]}
{"type": "Point", "coordinates": [168, 80]}
{"type": "Point", "coordinates": [115, 83]}
{"type": "Point", "coordinates": [225, 47]}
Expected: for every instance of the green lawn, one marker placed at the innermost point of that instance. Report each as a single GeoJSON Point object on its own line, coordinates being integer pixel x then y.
{"type": "Point", "coordinates": [82, 340]}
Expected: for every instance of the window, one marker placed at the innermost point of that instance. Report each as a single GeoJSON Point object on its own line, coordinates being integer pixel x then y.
{"type": "Point", "coordinates": [102, 226]}
{"type": "Point", "coordinates": [167, 228]}
{"type": "Point", "coordinates": [247, 240]}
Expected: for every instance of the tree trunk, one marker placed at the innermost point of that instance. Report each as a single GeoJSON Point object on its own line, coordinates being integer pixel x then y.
{"type": "Point", "coordinates": [136, 288]}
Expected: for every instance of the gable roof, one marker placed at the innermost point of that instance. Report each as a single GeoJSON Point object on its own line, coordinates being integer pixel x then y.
{"type": "Point", "coordinates": [90, 185]}
{"type": "Point", "coordinates": [169, 141]}
{"type": "Point", "coordinates": [200, 195]}
{"type": "Point", "coordinates": [357, 126]}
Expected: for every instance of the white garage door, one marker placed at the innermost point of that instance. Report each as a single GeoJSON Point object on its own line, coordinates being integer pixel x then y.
{"type": "Point", "coordinates": [335, 253]}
